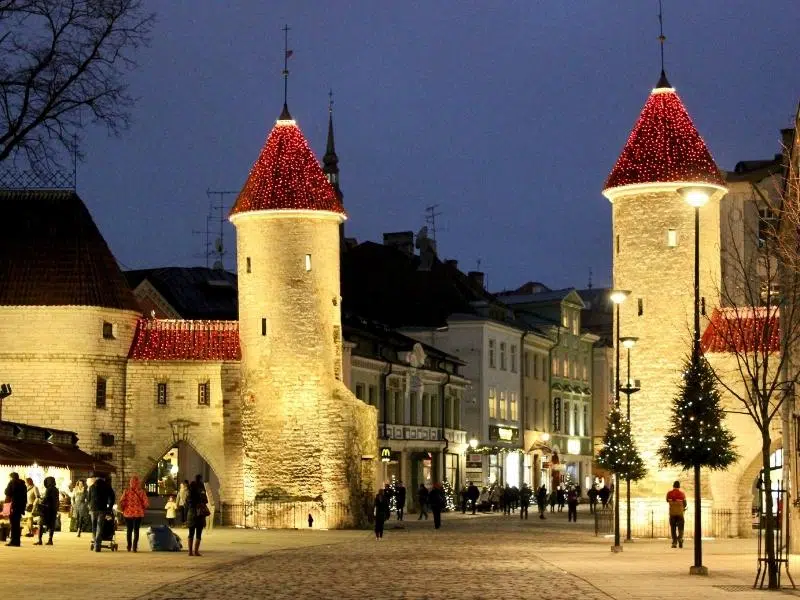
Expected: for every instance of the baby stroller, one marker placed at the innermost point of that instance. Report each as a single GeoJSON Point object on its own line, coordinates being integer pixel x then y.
{"type": "Point", "coordinates": [108, 531]}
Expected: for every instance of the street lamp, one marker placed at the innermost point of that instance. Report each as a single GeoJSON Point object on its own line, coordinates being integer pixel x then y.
{"type": "Point", "coordinates": [473, 443]}
{"type": "Point", "coordinates": [617, 297]}
{"type": "Point", "coordinates": [628, 343]}
{"type": "Point", "coordinates": [697, 196]}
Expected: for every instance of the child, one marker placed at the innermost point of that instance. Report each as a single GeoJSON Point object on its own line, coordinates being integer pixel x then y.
{"type": "Point", "coordinates": [171, 509]}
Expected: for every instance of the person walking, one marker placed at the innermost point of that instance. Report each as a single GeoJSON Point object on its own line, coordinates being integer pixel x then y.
{"type": "Point", "coordinates": [572, 505]}
{"type": "Point", "coordinates": [401, 500]}
{"type": "Point", "coordinates": [525, 494]}
{"type": "Point", "coordinates": [48, 510]}
{"type": "Point", "coordinates": [381, 512]}
{"type": "Point", "coordinates": [464, 495]}
{"type": "Point", "coordinates": [473, 493]}
{"type": "Point", "coordinates": [101, 504]}
{"type": "Point", "coordinates": [592, 493]}
{"type": "Point", "coordinates": [604, 495]}
{"type": "Point", "coordinates": [561, 497]}
{"type": "Point", "coordinates": [17, 495]}
{"type": "Point", "coordinates": [422, 499]}
{"type": "Point", "coordinates": [183, 492]}
{"type": "Point", "coordinates": [437, 502]}
{"type": "Point", "coordinates": [32, 505]}
{"type": "Point", "coordinates": [541, 500]}
{"type": "Point", "coordinates": [133, 503]}
{"type": "Point", "coordinates": [79, 512]}
{"type": "Point", "coordinates": [507, 496]}
{"type": "Point", "coordinates": [196, 513]}
{"type": "Point", "coordinates": [552, 499]}
{"type": "Point", "coordinates": [676, 500]}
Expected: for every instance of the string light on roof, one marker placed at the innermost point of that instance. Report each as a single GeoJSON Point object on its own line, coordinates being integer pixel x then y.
{"type": "Point", "coordinates": [287, 176]}
{"type": "Point", "coordinates": [664, 146]}
{"type": "Point", "coordinates": [171, 339]}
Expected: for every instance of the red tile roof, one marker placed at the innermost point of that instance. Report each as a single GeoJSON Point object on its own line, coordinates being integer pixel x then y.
{"type": "Point", "coordinates": [287, 176]}
{"type": "Point", "coordinates": [664, 146]}
{"type": "Point", "coordinates": [170, 339]}
{"type": "Point", "coordinates": [52, 254]}
{"type": "Point", "coordinates": [743, 330]}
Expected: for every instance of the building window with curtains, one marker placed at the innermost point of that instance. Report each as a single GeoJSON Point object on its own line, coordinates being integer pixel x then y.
{"type": "Point", "coordinates": [204, 394]}
{"type": "Point", "coordinates": [503, 406]}
{"type": "Point", "coordinates": [492, 403]}
{"type": "Point", "coordinates": [557, 414]}
{"type": "Point", "coordinates": [100, 392]}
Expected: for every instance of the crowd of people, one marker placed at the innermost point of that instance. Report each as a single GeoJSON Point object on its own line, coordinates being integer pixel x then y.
{"type": "Point", "coordinates": [92, 507]}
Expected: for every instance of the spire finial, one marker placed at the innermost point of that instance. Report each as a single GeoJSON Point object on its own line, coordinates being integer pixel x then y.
{"type": "Point", "coordinates": [330, 101]}
{"type": "Point", "coordinates": [286, 54]}
{"type": "Point", "coordinates": [661, 37]}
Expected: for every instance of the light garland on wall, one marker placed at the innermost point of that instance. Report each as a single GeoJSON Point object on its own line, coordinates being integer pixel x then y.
{"type": "Point", "coordinates": [746, 329]}
{"type": "Point", "coordinates": [171, 339]}
{"type": "Point", "coordinates": [287, 176]}
{"type": "Point", "coordinates": [664, 146]}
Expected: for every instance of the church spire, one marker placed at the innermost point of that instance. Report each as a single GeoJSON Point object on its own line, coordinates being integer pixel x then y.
{"type": "Point", "coordinates": [330, 162]}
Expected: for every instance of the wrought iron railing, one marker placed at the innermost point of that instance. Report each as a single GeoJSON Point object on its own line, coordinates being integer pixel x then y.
{"type": "Point", "coordinates": [274, 514]}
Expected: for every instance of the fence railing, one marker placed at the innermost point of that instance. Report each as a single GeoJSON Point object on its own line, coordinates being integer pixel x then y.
{"type": "Point", "coordinates": [273, 514]}
{"type": "Point", "coordinates": [654, 523]}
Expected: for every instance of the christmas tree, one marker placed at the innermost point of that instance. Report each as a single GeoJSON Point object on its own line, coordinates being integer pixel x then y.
{"type": "Point", "coordinates": [449, 496]}
{"type": "Point", "coordinates": [619, 454]}
{"type": "Point", "coordinates": [698, 436]}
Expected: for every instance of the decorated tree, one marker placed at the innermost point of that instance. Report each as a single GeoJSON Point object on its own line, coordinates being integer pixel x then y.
{"type": "Point", "coordinates": [449, 496]}
{"type": "Point", "coordinates": [698, 436]}
{"type": "Point", "coordinates": [619, 454]}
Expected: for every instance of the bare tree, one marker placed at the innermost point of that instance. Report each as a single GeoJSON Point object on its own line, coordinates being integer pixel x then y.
{"type": "Point", "coordinates": [758, 325]}
{"type": "Point", "coordinates": [62, 61]}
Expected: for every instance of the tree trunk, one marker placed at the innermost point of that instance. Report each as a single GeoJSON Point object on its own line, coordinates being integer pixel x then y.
{"type": "Point", "coordinates": [769, 522]}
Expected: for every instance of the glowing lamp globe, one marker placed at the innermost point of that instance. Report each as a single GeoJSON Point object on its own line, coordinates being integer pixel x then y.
{"type": "Point", "coordinates": [628, 342]}
{"type": "Point", "coordinates": [696, 195]}
{"type": "Point", "coordinates": [619, 296]}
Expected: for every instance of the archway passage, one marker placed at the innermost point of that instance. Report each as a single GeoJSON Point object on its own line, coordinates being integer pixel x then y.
{"type": "Point", "coordinates": [180, 463]}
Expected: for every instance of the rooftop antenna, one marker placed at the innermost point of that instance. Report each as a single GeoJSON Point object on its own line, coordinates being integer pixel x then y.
{"type": "Point", "coordinates": [661, 37]}
{"type": "Point", "coordinates": [478, 267]}
{"type": "Point", "coordinates": [590, 277]}
{"type": "Point", "coordinates": [75, 161]}
{"type": "Point", "coordinates": [286, 54]}
{"type": "Point", "coordinates": [218, 251]}
{"type": "Point", "coordinates": [430, 219]}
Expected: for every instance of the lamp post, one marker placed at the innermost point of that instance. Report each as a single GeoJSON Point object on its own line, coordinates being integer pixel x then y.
{"type": "Point", "coordinates": [628, 343]}
{"type": "Point", "coordinates": [617, 297]}
{"type": "Point", "coordinates": [697, 196]}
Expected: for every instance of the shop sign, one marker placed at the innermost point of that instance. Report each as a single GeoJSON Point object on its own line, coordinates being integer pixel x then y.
{"type": "Point", "coordinates": [474, 461]}
{"type": "Point", "coordinates": [505, 434]}
{"type": "Point", "coordinates": [386, 454]}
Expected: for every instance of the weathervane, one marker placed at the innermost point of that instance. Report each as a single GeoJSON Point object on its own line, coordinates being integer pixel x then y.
{"type": "Point", "coordinates": [661, 37]}
{"type": "Point", "coordinates": [286, 54]}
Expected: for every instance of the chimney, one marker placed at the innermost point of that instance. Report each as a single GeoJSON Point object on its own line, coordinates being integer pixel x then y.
{"type": "Point", "coordinates": [478, 278]}
{"type": "Point", "coordinates": [451, 262]}
{"type": "Point", "coordinates": [401, 240]}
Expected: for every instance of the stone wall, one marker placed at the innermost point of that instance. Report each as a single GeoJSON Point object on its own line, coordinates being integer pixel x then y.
{"type": "Point", "coordinates": [52, 357]}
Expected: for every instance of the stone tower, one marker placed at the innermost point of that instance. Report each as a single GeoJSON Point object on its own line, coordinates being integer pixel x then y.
{"type": "Point", "coordinates": [306, 437]}
{"type": "Point", "coordinates": [653, 250]}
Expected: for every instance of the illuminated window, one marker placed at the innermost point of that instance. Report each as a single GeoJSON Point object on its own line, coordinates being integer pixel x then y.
{"type": "Point", "coordinates": [492, 403]}
{"type": "Point", "coordinates": [672, 238]}
{"type": "Point", "coordinates": [161, 394]}
{"type": "Point", "coordinates": [204, 394]}
{"type": "Point", "coordinates": [503, 406]}
{"type": "Point", "coordinates": [514, 409]}
{"type": "Point", "coordinates": [308, 262]}
{"type": "Point", "coordinates": [100, 392]}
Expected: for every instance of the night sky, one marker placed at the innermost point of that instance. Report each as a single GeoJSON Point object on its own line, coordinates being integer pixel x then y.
{"type": "Point", "coordinates": [509, 115]}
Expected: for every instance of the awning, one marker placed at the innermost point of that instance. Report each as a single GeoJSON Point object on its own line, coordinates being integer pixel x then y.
{"type": "Point", "coordinates": [25, 452]}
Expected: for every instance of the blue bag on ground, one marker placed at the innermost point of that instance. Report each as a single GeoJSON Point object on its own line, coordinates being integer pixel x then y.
{"type": "Point", "coordinates": [163, 539]}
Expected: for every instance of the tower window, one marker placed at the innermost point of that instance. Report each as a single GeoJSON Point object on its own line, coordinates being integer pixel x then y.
{"type": "Point", "coordinates": [672, 238]}
{"type": "Point", "coordinates": [617, 244]}
{"type": "Point", "coordinates": [204, 394]}
{"type": "Point", "coordinates": [308, 262]}
{"type": "Point", "coordinates": [248, 264]}
{"type": "Point", "coordinates": [100, 395]}
{"type": "Point", "coordinates": [108, 331]}
{"type": "Point", "coordinates": [703, 306]}
{"type": "Point", "coordinates": [640, 306]}
{"type": "Point", "coordinates": [264, 326]}
{"type": "Point", "coordinates": [161, 394]}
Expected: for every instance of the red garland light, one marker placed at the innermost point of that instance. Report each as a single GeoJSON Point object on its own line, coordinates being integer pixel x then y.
{"type": "Point", "coordinates": [287, 176]}
{"type": "Point", "coordinates": [664, 146]}
{"type": "Point", "coordinates": [743, 330]}
{"type": "Point", "coordinates": [169, 339]}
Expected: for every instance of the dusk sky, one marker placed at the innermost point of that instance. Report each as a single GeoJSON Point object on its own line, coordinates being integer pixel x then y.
{"type": "Point", "coordinates": [509, 115]}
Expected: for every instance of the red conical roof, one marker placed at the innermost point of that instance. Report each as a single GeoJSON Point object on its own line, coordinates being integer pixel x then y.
{"type": "Point", "coordinates": [664, 146]}
{"type": "Point", "coordinates": [287, 176]}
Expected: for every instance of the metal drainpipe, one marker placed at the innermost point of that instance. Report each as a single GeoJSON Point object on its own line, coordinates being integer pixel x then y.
{"type": "Point", "coordinates": [522, 402]}
{"type": "Point", "coordinates": [443, 366]}
{"type": "Point", "coordinates": [384, 390]}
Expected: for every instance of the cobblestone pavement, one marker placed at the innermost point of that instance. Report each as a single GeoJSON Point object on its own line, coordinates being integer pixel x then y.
{"type": "Point", "coordinates": [494, 557]}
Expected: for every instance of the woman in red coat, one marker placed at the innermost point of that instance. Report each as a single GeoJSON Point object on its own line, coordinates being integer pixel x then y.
{"type": "Point", "coordinates": [133, 504]}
